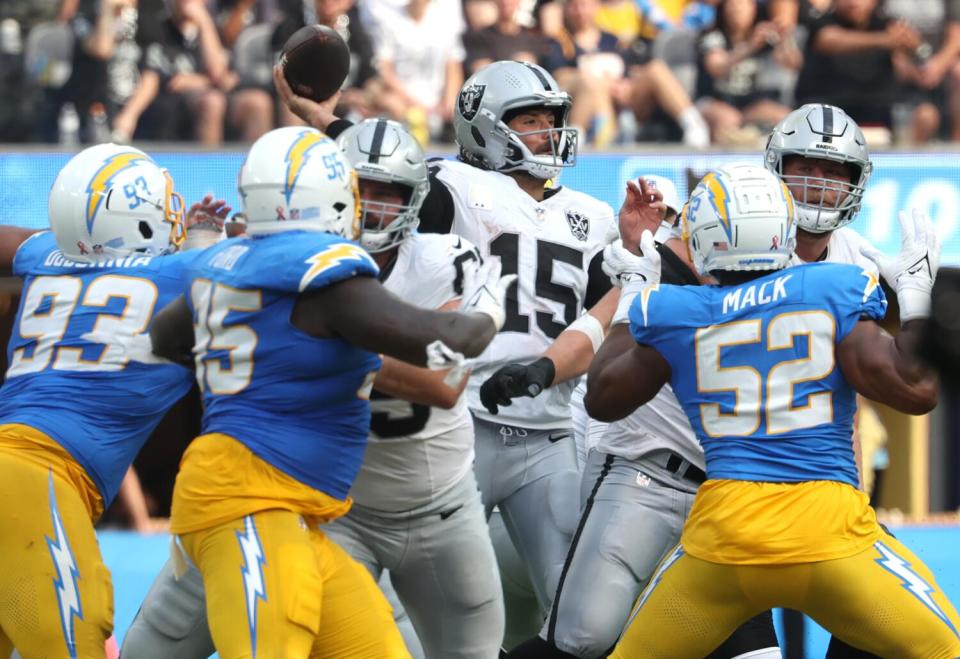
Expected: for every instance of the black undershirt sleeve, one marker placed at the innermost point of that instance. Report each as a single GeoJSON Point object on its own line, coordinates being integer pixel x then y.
{"type": "Point", "coordinates": [436, 214]}
{"type": "Point", "coordinates": [598, 283]}
{"type": "Point", "coordinates": [673, 270]}
{"type": "Point", "coordinates": [337, 127]}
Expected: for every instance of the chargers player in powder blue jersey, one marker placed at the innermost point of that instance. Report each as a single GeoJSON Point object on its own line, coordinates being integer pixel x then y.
{"type": "Point", "coordinates": [744, 445]}
{"type": "Point", "coordinates": [82, 392]}
{"type": "Point", "coordinates": [410, 472]}
{"type": "Point", "coordinates": [284, 328]}
{"type": "Point", "coordinates": [765, 366]}
{"type": "Point", "coordinates": [323, 424]}
{"type": "Point", "coordinates": [123, 396]}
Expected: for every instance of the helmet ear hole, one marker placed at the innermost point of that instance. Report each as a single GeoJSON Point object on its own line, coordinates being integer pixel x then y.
{"type": "Point", "coordinates": [145, 230]}
{"type": "Point", "coordinates": [339, 206]}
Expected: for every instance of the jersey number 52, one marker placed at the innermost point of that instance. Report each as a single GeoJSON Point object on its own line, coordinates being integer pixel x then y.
{"type": "Point", "coordinates": [775, 396]}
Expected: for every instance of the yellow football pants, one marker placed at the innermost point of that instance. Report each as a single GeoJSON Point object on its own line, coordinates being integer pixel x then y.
{"type": "Point", "coordinates": [883, 600]}
{"type": "Point", "coordinates": [56, 597]}
{"type": "Point", "coordinates": [278, 590]}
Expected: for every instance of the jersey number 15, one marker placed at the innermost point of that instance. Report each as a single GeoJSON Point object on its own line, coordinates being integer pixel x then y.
{"type": "Point", "coordinates": [507, 247]}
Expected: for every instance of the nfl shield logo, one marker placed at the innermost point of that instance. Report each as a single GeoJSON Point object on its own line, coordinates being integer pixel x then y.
{"type": "Point", "coordinates": [469, 101]}
{"type": "Point", "coordinates": [579, 225]}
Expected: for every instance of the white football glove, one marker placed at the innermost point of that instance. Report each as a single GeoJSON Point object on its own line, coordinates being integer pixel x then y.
{"type": "Point", "coordinates": [913, 270]}
{"type": "Point", "coordinates": [441, 357]}
{"type": "Point", "coordinates": [485, 291]}
{"type": "Point", "coordinates": [623, 267]}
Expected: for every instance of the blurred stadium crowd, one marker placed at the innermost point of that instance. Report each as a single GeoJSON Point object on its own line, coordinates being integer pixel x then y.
{"type": "Point", "coordinates": [719, 72]}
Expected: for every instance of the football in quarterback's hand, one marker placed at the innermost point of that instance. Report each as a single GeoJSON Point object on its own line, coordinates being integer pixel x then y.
{"type": "Point", "coordinates": [315, 61]}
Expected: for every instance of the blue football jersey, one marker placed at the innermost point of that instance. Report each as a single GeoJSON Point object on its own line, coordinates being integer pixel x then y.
{"type": "Point", "coordinates": [298, 402]}
{"type": "Point", "coordinates": [754, 368]}
{"type": "Point", "coordinates": [71, 371]}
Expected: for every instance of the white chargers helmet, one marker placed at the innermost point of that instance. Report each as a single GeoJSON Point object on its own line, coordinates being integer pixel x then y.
{"type": "Point", "coordinates": [298, 178]}
{"type": "Point", "coordinates": [382, 150]}
{"type": "Point", "coordinates": [821, 131]}
{"type": "Point", "coordinates": [671, 198]}
{"type": "Point", "coordinates": [740, 217]}
{"type": "Point", "coordinates": [111, 201]}
{"type": "Point", "coordinates": [484, 106]}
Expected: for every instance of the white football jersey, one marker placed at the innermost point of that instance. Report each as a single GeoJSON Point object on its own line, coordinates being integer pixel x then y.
{"type": "Point", "coordinates": [416, 452]}
{"type": "Point", "coordinates": [844, 247]}
{"type": "Point", "coordinates": [549, 244]}
{"type": "Point", "coordinates": [660, 424]}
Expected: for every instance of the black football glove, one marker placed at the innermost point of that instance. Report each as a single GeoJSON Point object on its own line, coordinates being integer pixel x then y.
{"type": "Point", "coordinates": [514, 380]}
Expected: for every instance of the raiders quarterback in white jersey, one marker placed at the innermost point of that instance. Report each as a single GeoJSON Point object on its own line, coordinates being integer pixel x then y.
{"type": "Point", "coordinates": [511, 128]}
{"type": "Point", "coordinates": [642, 474]}
{"type": "Point", "coordinates": [417, 511]}
{"type": "Point", "coordinates": [550, 244]}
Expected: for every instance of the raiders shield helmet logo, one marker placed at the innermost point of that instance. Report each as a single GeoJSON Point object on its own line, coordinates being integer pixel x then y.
{"type": "Point", "coordinates": [579, 225]}
{"type": "Point", "coordinates": [469, 101]}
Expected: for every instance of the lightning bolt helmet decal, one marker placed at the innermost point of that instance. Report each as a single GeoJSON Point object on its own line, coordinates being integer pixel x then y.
{"type": "Point", "coordinates": [101, 179]}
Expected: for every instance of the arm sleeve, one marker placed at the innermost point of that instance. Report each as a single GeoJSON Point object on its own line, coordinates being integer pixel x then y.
{"type": "Point", "coordinates": [443, 266]}
{"type": "Point", "coordinates": [337, 127]}
{"type": "Point", "coordinates": [155, 60]}
{"type": "Point", "coordinates": [436, 214]}
{"type": "Point", "coordinates": [712, 41]}
{"type": "Point", "coordinates": [598, 283]}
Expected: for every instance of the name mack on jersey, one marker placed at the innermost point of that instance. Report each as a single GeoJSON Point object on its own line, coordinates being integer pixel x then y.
{"type": "Point", "coordinates": [750, 296]}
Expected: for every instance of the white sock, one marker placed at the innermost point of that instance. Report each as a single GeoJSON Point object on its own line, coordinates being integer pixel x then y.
{"type": "Point", "coordinates": [696, 133]}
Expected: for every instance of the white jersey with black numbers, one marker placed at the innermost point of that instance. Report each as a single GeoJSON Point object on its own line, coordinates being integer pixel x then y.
{"type": "Point", "coordinates": [415, 451]}
{"type": "Point", "coordinates": [549, 244]}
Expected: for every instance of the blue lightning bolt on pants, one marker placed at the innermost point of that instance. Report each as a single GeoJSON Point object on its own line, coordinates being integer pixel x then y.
{"type": "Point", "coordinates": [276, 587]}
{"type": "Point", "coordinates": [294, 593]}
{"type": "Point", "coordinates": [56, 597]}
{"type": "Point", "coordinates": [883, 600]}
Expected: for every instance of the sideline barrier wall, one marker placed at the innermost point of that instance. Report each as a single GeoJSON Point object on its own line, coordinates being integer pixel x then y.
{"type": "Point", "coordinates": [929, 181]}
